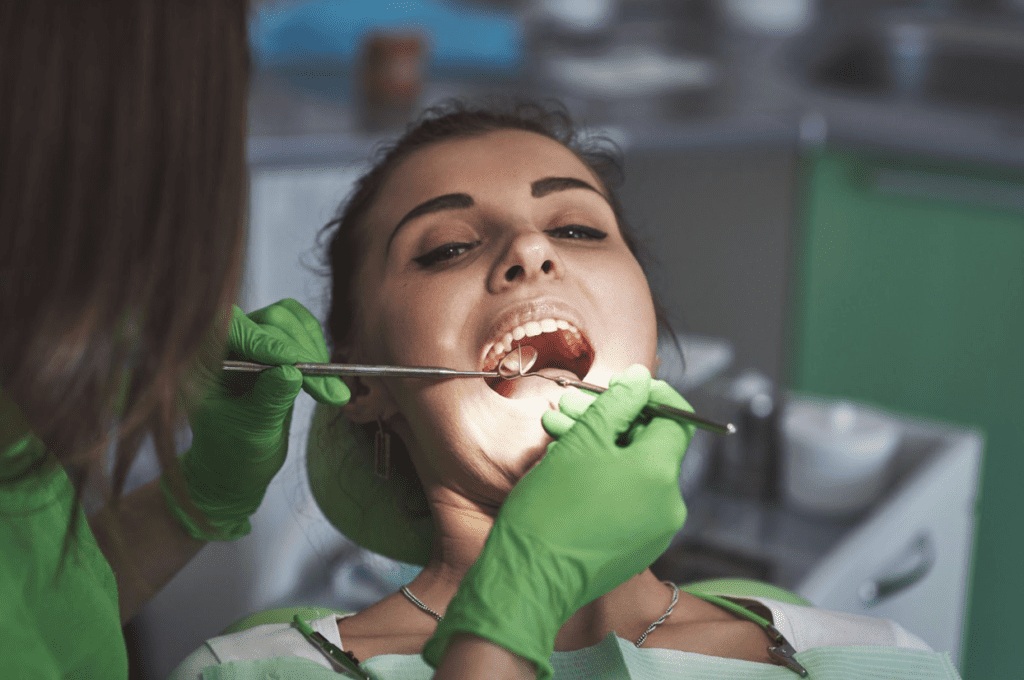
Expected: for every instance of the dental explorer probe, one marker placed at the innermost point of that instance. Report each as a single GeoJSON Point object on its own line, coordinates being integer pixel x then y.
{"type": "Point", "coordinates": [518, 368]}
{"type": "Point", "coordinates": [651, 409]}
{"type": "Point", "coordinates": [362, 369]}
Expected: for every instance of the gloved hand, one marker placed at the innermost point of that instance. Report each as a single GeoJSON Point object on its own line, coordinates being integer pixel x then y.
{"type": "Point", "coordinates": [240, 429]}
{"type": "Point", "coordinates": [597, 510]}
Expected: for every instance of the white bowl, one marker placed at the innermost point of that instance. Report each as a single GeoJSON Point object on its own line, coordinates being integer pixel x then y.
{"type": "Point", "coordinates": [836, 455]}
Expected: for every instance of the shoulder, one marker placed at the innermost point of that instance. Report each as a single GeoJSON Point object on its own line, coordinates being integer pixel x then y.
{"type": "Point", "coordinates": [808, 627]}
{"type": "Point", "coordinates": [712, 631]}
{"type": "Point", "coordinates": [267, 641]}
{"type": "Point", "coordinates": [377, 631]}
{"type": "Point", "coordinates": [192, 667]}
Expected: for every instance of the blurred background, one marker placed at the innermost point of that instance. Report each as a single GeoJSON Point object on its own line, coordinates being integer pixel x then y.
{"type": "Point", "coordinates": [833, 195]}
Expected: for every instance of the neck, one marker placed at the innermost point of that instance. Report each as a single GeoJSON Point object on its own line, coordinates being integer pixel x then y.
{"type": "Point", "coordinates": [460, 531]}
{"type": "Point", "coordinates": [459, 536]}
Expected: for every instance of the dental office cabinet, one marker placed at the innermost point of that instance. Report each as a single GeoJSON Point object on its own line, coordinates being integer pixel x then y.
{"type": "Point", "coordinates": [906, 557]}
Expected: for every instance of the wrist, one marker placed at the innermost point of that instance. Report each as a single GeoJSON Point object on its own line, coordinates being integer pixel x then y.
{"type": "Point", "coordinates": [515, 596]}
{"type": "Point", "coordinates": [470, 656]}
{"type": "Point", "coordinates": [197, 521]}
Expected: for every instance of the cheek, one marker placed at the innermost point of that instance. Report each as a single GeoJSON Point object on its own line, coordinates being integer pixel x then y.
{"type": "Point", "coordinates": [628, 297]}
{"type": "Point", "coordinates": [420, 325]}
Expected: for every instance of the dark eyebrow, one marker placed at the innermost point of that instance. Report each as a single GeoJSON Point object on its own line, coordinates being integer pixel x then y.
{"type": "Point", "coordinates": [538, 189]}
{"type": "Point", "coordinates": [543, 187]}
{"type": "Point", "coordinates": [436, 204]}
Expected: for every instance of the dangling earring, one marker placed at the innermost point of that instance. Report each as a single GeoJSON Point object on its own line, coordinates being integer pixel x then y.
{"type": "Point", "coordinates": [382, 451]}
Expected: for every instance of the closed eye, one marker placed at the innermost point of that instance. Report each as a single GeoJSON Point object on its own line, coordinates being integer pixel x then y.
{"type": "Point", "coordinates": [444, 253]}
{"type": "Point", "coordinates": [577, 231]}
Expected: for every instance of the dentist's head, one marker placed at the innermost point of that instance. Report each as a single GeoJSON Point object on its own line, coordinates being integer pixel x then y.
{"type": "Point", "coordinates": [123, 190]}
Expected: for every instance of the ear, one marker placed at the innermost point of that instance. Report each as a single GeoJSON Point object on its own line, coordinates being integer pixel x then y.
{"type": "Point", "coordinates": [370, 401]}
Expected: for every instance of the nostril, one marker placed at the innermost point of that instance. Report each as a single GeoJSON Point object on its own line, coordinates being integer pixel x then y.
{"type": "Point", "coordinates": [546, 267]}
{"type": "Point", "coordinates": [513, 272]}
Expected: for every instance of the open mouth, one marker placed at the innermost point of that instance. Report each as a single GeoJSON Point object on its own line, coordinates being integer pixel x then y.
{"type": "Point", "coordinates": [561, 349]}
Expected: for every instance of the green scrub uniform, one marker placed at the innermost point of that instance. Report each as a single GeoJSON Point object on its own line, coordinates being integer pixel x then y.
{"type": "Point", "coordinates": [58, 618]}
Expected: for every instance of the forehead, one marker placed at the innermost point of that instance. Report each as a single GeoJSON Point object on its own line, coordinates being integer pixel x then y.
{"type": "Point", "coordinates": [491, 162]}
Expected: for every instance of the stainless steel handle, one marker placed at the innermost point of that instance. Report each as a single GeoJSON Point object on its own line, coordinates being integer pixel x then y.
{"type": "Point", "coordinates": [653, 409]}
{"type": "Point", "coordinates": [910, 567]}
{"type": "Point", "coordinates": [360, 369]}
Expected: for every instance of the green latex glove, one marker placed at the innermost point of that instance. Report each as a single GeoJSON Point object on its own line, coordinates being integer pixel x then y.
{"type": "Point", "coordinates": [574, 404]}
{"type": "Point", "coordinates": [597, 510]}
{"type": "Point", "coordinates": [240, 429]}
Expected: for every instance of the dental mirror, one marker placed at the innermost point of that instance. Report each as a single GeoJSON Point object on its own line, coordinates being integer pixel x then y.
{"type": "Point", "coordinates": [516, 365]}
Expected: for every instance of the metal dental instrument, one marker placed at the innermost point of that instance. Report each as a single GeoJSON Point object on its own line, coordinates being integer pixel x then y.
{"type": "Point", "coordinates": [361, 369]}
{"type": "Point", "coordinates": [509, 369]}
{"type": "Point", "coordinates": [513, 369]}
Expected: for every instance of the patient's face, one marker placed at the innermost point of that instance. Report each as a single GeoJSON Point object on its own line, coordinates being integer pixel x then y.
{"type": "Point", "coordinates": [473, 246]}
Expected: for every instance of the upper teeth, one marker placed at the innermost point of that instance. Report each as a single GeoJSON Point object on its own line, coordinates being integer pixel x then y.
{"type": "Point", "coordinates": [503, 345]}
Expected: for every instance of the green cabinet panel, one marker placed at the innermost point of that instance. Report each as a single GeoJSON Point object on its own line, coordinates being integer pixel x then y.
{"type": "Point", "coordinates": [910, 294]}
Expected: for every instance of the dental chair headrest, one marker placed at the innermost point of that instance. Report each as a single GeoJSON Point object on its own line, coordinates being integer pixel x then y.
{"type": "Point", "coordinates": [388, 516]}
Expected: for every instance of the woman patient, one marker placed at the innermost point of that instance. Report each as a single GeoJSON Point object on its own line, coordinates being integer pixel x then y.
{"type": "Point", "coordinates": [480, 230]}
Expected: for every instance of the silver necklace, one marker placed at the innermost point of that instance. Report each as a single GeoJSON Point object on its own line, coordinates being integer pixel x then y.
{"type": "Point", "coordinates": [416, 601]}
{"type": "Point", "coordinates": [675, 598]}
{"type": "Point", "coordinates": [661, 620]}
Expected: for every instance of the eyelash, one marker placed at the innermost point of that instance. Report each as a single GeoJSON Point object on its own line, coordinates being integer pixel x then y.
{"type": "Point", "coordinates": [444, 253]}
{"type": "Point", "coordinates": [586, 233]}
{"type": "Point", "coordinates": [450, 251]}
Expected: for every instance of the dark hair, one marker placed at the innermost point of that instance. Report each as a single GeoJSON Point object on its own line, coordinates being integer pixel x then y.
{"type": "Point", "coordinates": [455, 119]}
{"type": "Point", "coordinates": [123, 191]}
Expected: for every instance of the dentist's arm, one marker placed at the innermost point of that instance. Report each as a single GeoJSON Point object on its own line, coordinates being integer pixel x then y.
{"type": "Point", "coordinates": [144, 544]}
{"type": "Point", "coordinates": [597, 510]}
{"type": "Point", "coordinates": [239, 442]}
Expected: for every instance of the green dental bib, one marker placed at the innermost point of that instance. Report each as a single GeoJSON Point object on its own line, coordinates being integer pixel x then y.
{"type": "Point", "coordinates": [617, 659]}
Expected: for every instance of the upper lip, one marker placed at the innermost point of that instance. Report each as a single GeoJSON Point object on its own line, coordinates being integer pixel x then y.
{"type": "Point", "coordinates": [532, 310]}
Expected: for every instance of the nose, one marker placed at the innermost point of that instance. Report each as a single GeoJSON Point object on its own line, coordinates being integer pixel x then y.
{"type": "Point", "coordinates": [528, 257]}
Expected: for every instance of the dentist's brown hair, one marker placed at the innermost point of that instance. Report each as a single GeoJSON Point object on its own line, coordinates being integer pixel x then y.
{"type": "Point", "coordinates": [123, 188]}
